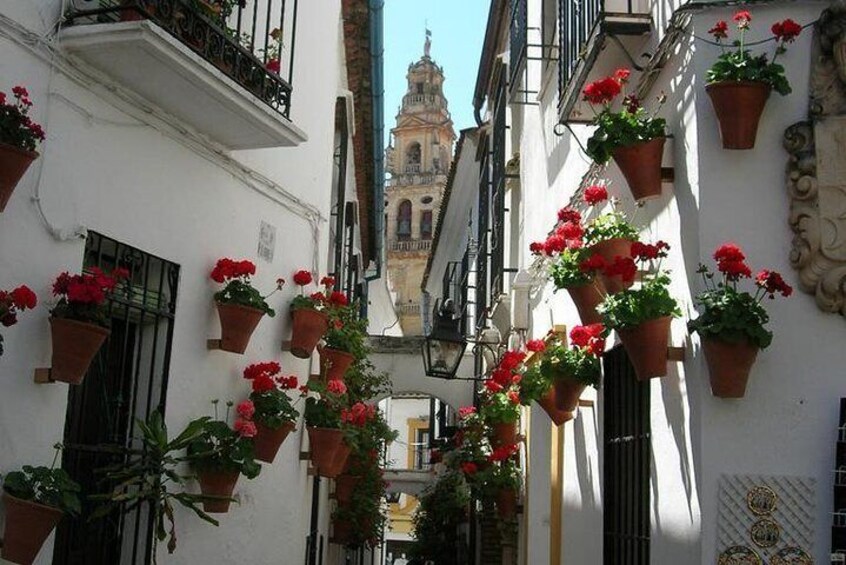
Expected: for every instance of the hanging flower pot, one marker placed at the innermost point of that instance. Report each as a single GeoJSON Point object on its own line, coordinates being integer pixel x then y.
{"type": "Point", "coordinates": [646, 346]}
{"type": "Point", "coordinates": [268, 440]}
{"type": "Point", "coordinates": [739, 106]}
{"type": "Point", "coordinates": [609, 250]}
{"type": "Point", "coordinates": [504, 434]}
{"type": "Point", "coordinates": [219, 486]}
{"type": "Point", "coordinates": [587, 297]}
{"type": "Point", "coordinates": [506, 503]}
{"type": "Point", "coordinates": [345, 485]}
{"type": "Point", "coordinates": [641, 165]}
{"type": "Point", "coordinates": [14, 163]}
{"type": "Point", "coordinates": [237, 324]}
{"type": "Point", "coordinates": [75, 344]}
{"type": "Point", "coordinates": [728, 366]}
{"type": "Point", "coordinates": [567, 393]}
{"type": "Point", "coordinates": [28, 525]}
{"type": "Point", "coordinates": [339, 461]}
{"type": "Point", "coordinates": [309, 327]}
{"type": "Point", "coordinates": [547, 402]}
{"type": "Point", "coordinates": [334, 363]}
{"type": "Point", "coordinates": [324, 444]}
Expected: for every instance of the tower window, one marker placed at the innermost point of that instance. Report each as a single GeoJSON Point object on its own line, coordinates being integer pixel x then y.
{"type": "Point", "coordinates": [412, 158]}
{"type": "Point", "coordinates": [419, 87]}
{"type": "Point", "coordinates": [426, 224]}
{"type": "Point", "coordinates": [404, 220]}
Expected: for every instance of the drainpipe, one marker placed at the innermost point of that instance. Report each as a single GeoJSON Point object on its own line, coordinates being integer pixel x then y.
{"type": "Point", "coordinates": [377, 48]}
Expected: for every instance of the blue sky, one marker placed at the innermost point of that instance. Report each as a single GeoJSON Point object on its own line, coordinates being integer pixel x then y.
{"type": "Point", "coordinates": [458, 28]}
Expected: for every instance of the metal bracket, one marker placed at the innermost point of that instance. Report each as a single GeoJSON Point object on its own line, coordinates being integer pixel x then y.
{"type": "Point", "coordinates": [213, 344]}
{"type": "Point", "coordinates": [668, 175]}
{"type": "Point", "coordinates": [677, 354]}
{"type": "Point", "coordinates": [43, 376]}
{"type": "Point", "coordinates": [286, 345]}
{"type": "Point", "coordinates": [305, 455]}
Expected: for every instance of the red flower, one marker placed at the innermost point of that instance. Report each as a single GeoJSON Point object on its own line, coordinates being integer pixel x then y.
{"type": "Point", "coordinates": [304, 390]}
{"type": "Point", "coordinates": [554, 244]}
{"type": "Point", "coordinates": [646, 252]}
{"type": "Point", "coordinates": [358, 414]}
{"type": "Point", "coordinates": [268, 368]}
{"type": "Point", "coordinates": [273, 65]}
{"type": "Point", "coordinates": [536, 345]}
{"type": "Point", "coordinates": [743, 17]}
{"type": "Point", "coordinates": [60, 286]}
{"type": "Point", "coordinates": [536, 248]}
{"type": "Point", "coordinates": [318, 297]}
{"type": "Point", "coordinates": [469, 468]}
{"type": "Point", "coordinates": [513, 397]}
{"type": "Point", "coordinates": [589, 337]}
{"type": "Point", "coordinates": [501, 376]}
{"type": "Point", "coordinates": [23, 298]}
{"type": "Point", "coordinates": [263, 383]}
{"type": "Point", "coordinates": [720, 30]}
{"type": "Point", "coordinates": [623, 267]}
{"type": "Point", "coordinates": [302, 277]}
{"type": "Point", "coordinates": [246, 409]}
{"type": "Point", "coordinates": [435, 456]}
{"type": "Point", "coordinates": [9, 319]}
{"type": "Point", "coordinates": [245, 428]}
{"type": "Point", "coordinates": [227, 269]}
{"type": "Point", "coordinates": [511, 360]}
{"type": "Point", "coordinates": [729, 252]}
{"type": "Point", "coordinates": [327, 282]}
{"type": "Point", "coordinates": [772, 283]}
{"type": "Point", "coordinates": [20, 92]}
{"type": "Point", "coordinates": [595, 194]}
{"type": "Point", "coordinates": [338, 298]}
{"type": "Point", "coordinates": [602, 91]}
{"type": "Point", "coordinates": [568, 214]}
{"type": "Point", "coordinates": [622, 75]}
{"type": "Point", "coordinates": [503, 453]}
{"type": "Point", "coordinates": [336, 386]}
{"type": "Point", "coordinates": [592, 264]}
{"type": "Point", "coordinates": [787, 31]}
{"type": "Point", "coordinates": [288, 383]}
{"type": "Point", "coordinates": [466, 411]}
{"type": "Point", "coordinates": [570, 231]}
{"type": "Point", "coordinates": [492, 385]}
{"type": "Point", "coordinates": [730, 261]}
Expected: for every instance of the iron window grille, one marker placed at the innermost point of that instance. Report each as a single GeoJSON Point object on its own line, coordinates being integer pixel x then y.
{"type": "Point", "coordinates": [626, 468]}
{"type": "Point", "coordinates": [497, 215]}
{"type": "Point", "coordinates": [339, 208]}
{"type": "Point", "coordinates": [126, 382]}
{"type": "Point", "coordinates": [481, 285]}
{"type": "Point", "coordinates": [240, 44]}
{"type": "Point", "coordinates": [426, 224]}
{"type": "Point", "coordinates": [517, 44]}
{"type": "Point", "coordinates": [404, 220]}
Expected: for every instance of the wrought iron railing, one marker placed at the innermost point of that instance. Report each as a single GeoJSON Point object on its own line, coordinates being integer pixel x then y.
{"type": "Point", "coordinates": [409, 308]}
{"type": "Point", "coordinates": [250, 41]}
{"type": "Point", "coordinates": [411, 245]}
{"type": "Point", "coordinates": [497, 208]}
{"type": "Point", "coordinates": [421, 99]}
{"type": "Point", "coordinates": [518, 39]}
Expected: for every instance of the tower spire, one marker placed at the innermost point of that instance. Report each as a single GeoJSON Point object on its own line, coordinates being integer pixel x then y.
{"type": "Point", "coordinates": [427, 46]}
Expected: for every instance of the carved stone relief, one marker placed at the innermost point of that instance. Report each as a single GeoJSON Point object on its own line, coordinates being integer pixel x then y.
{"type": "Point", "coordinates": [816, 174]}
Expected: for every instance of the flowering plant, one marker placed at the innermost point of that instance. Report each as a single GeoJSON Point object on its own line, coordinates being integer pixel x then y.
{"type": "Point", "coordinates": [732, 315]}
{"type": "Point", "coordinates": [269, 403]}
{"type": "Point", "coordinates": [216, 447]}
{"type": "Point", "coordinates": [739, 64]}
{"type": "Point", "coordinates": [12, 302]}
{"type": "Point", "coordinates": [324, 409]}
{"type": "Point", "coordinates": [83, 297]}
{"type": "Point", "coordinates": [629, 126]}
{"type": "Point", "coordinates": [315, 300]}
{"type": "Point", "coordinates": [501, 395]}
{"type": "Point", "coordinates": [503, 475]}
{"type": "Point", "coordinates": [16, 127]}
{"type": "Point", "coordinates": [579, 362]}
{"type": "Point", "coordinates": [649, 301]}
{"type": "Point", "coordinates": [45, 485]}
{"type": "Point", "coordinates": [443, 508]}
{"type": "Point", "coordinates": [238, 290]}
{"type": "Point", "coordinates": [613, 225]}
{"type": "Point", "coordinates": [347, 332]}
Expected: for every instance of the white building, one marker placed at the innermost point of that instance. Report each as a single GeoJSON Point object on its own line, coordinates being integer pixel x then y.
{"type": "Point", "coordinates": [168, 148]}
{"type": "Point", "coordinates": [677, 494]}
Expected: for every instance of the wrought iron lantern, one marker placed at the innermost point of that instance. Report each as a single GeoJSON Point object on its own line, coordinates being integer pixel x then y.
{"type": "Point", "coordinates": [444, 347]}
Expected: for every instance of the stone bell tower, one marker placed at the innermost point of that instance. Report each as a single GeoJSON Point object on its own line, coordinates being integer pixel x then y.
{"type": "Point", "coordinates": [418, 160]}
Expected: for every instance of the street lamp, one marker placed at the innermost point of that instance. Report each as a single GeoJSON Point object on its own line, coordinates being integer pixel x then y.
{"type": "Point", "coordinates": [444, 347]}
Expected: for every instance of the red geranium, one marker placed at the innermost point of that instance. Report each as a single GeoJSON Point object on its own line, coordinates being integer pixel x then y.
{"type": "Point", "coordinates": [772, 283]}
{"type": "Point", "coordinates": [536, 248]}
{"type": "Point", "coordinates": [592, 264]}
{"type": "Point", "coordinates": [246, 409]}
{"type": "Point", "coordinates": [327, 281]}
{"type": "Point", "coordinates": [589, 337]}
{"type": "Point", "coordinates": [623, 267]}
{"type": "Point", "coordinates": [647, 252]}
{"type": "Point", "coordinates": [493, 386]}
{"type": "Point", "coordinates": [245, 428]}
{"type": "Point", "coordinates": [81, 296]}
{"type": "Point", "coordinates": [595, 194]}
{"type": "Point", "coordinates": [743, 18]}
{"type": "Point", "coordinates": [302, 277]}
{"type": "Point", "coordinates": [536, 345]}
{"type": "Point", "coordinates": [16, 127]}
{"type": "Point", "coordinates": [469, 468]}
{"type": "Point", "coordinates": [336, 386]}
{"type": "Point", "coordinates": [21, 298]}
{"type": "Point", "coordinates": [720, 30]}
{"type": "Point", "coordinates": [622, 75]}
{"type": "Point", "coordinates": [503, 453]}
{"type": "Point", "coordinates": [511, 360]}
{"type": "Point", "coordinates": [554, 244]}
{"type": "Point", "coordinates": [568, 214]}
{"type": "Point", "coordinates": [602, 91]}
{"type": "Point", "coordinates": [338, 298]}
{"type": "Point", "coordinates": [228, 269]}
{"type": "Point", "coordinates": [466, 411]}
{"type": "Point", "coordinates": [787, 31]}
{"type": "Point", "coordinates": [501, 376]}
{"type": "Point", "coordinates": [731, 262]}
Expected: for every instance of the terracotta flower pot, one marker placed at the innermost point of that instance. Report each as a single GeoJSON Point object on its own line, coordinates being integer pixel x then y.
{"type": "Point", "coordinates": [567, 393]}
{"type": "Point", "coordinates": [506, 504]}
{"type": "Point", "coordinates": [609, 250]}
{"type": "Point", "coordinates": [646, 346]}
{"type": "Point", "coordinates": [587, 297]}
{"type": "Point", "coordinates": [14, 163]}
{"type": "Point", "coordinates": [268, 441]}
{"type": "Point", "coordinates": [75, 344]}
{"type": "Point", "coordinates": [547, 402]}
{"type": "Point", "coordinates": [339, 461]}
{"type": "Point", "coordinates": [504, 434]}
{"type": "Point", "coordinates": [309, 326]}
{"type": "Point", "coordinates": [738, 106]}
{"type": "Point", "coordinates": [728, 366]}
{"type": "Point", "coordinates": [324, 443]}
{"type": "Point", "coordinates": [334, 363]}
{"type": "Point", "coordinates": [28, 525]}
{"type": "Point", "coordinates": [641, 165]}
{"type": "Point", "coordinates": [345, 485]}
{"type": "Point", "coordinates": [237, 324]}
{"type": "Point", "coordinates": [218, 485]}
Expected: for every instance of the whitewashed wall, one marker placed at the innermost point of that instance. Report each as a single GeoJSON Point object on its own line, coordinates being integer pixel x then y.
{"type": "Point", "coordinates": [105, 170]}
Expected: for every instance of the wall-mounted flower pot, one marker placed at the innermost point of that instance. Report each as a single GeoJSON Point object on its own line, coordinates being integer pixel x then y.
{"type": "Point", "coordinates": [739, 106]}
{"type": "Point", "coordinates": [506, 504]}
{"type": "Point", "coordinates": [339, 461]}
{"type": "Point", "coordinates": [587, 297]}
{"type": "Point", "coordinates": [14, 163]}
{"type": "Point", "coordinates": [547, 402]}
{"type": "Point", "coordinates": [218, 486]}
{"type": "Point", "coordinates": [609, 250]}
{"type": "Point", "coordinates": [75, 344]}
{"type": "Point", "coordinates": [504, 434]}
{"type": "Point", "coordinates": [237, 324]}
{"type": "Point", "coordinates": [324, 444]}
{"type": "Point", "coordinates": [567, 393]}
{"type": "Point", "coordinates": [268, 440]}
{"type": "Point", "coordinates": [309, 326]}
{"type": "Point", "coordinates": [728, 366]}
{"type": "Point", "coordinates": [345, 485]}
{"type": "Point", "coordinates": [28, 525]}
{"type": "Point", "coordinates": [641, 165]}
{"type": "Point", "coordinates": [646, 346]}
{"type": "Point", "coordinates": [334, 363]}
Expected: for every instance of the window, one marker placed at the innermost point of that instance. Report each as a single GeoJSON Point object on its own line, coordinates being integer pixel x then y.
{"type": "Point", "coordinates": [497, 212]}
{"type": "Point", "coordinates": [419, 87]}
{"type": "Point", "coordinates": [426, 200]}
{"type": "Point", "coordinates": [421, 449]}
{"type": "Point", "coordinates": [404, 220]}
{"type": "Point", "coordinates": [127, 381]}
{"type": "Point", "coordinates": [627, 456]}
{"type": "Point", "coordinates": [412, 158]}
{"type": "Point", "coordinates": [426, 224]}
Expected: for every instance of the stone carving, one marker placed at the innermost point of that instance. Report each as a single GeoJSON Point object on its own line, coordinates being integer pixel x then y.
{"type": "Point", "coordinates": [816, 172]}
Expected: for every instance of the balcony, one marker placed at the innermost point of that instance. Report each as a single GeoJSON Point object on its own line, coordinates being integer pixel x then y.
{"type": "Point", "coordinates": [587, 28]}
{"type": "Point", "coordinates": [430, 100]}
{"type": "Point", "coordinates": [222, 68]}
{"type": "Point", "coordinates": [410, 245]}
